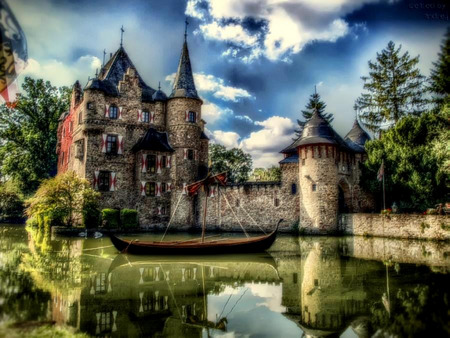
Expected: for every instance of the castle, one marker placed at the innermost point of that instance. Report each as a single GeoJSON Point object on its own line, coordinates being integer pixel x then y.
{"type": "Point", "coordinates": [140, 148]}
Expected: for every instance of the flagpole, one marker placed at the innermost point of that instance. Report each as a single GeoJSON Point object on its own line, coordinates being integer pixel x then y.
{"type": "Point", "coordinates": [384, 194]}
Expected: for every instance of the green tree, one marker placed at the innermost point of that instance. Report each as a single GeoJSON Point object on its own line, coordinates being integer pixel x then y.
{"type": "Point", "coordinates": [63, 198]}
{"type": "Point", "coordinates": [265, 175]}
{"type": "Point", "coordinates": [394, 88]}
{"type": "Point", "coordinates": [440, 74]}
{"type": "Point", "coordinates": [314, 103]}
{"type": "Point", "coordinates": [416, 154]}
{"type": "Point", "coordinates": [234, 161]}
{"type": "Point", "coordinates": [11, 202]}
{"type": "Point", "coordinates": [28, 133]}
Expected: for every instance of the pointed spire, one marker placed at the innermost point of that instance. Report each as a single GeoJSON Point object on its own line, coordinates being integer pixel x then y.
{"type": "Point", "coordinates": [184, 85]}
{"type": "Point", "coordinates": [121, 35]}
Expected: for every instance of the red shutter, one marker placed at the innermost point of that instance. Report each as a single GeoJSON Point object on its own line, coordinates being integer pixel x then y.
{"type": "Point", "coordinates": [144, 163]}
{"type": "Point", "coordinates": [120, 144]}
{"type": "Point", "coordinates": [196, 155]}
{"type": "Point", "coordinates": [106, 110]}
{"type": "Point", "coordinates": [142, 188]}
{"type": "Point", "coordinates": [120, 113]}
{"type": "Point", "coordinates": [169, 161]}
{"type": "Point", "coordinates": [139, 115]}
{"type": "Point", "coordinates": [104, 136]}
{"type": "Point", "coordinates": [159, 210]}
{"type": "Point", "coordinates": [96, 173]}
{"type": "Point", "coordinates": [112, 181]}
{"type": "Point", "coordinates": [152, 117]}
{"type": "Point", "coordinates": [184, 188]}
{"type": "Point", "coordinates": [158, 164]}
{"type": "Point", "coordinates": [169, 187]}
{"type": "Point", "coordinates": [186, 116]}
{"type": "Point", "coordinates": [158, 189]}
{"type": "Point", "coordinates": [185, 151]}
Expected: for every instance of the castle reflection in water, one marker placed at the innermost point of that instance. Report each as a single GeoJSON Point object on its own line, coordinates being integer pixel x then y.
{"type": "Point", "coordinates": [325, 286]}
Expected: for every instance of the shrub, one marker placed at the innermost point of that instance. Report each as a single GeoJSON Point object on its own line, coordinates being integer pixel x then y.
{"type": "Point", "coordinates": [62, 198]}
{"type": "Point", "coordinates": [91, 213]}
{"type": "Point", "coordinates": [110, 218]}
{"type": "Point", "coordinates": [128, 218]}
{"type": "Point", "coordinates": [11, 202]}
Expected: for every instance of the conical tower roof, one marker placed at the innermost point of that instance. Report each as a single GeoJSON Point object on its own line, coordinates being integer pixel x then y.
{"type": "Point", "coordinates": [184, 85]}
{"type": "Point", "coordinates": [317, 130]}
{"type": "Point", "coordinates": [112, 73]}
{"type": "Point", "coordinates": [357, 137]}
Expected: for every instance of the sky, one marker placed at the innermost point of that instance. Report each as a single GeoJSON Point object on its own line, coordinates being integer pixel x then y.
{"type": "Point", "coordinates": [255, 62]}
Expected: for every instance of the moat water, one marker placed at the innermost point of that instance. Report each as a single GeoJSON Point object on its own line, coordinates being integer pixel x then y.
{"type": "Point", "coordinates": [304, 286]}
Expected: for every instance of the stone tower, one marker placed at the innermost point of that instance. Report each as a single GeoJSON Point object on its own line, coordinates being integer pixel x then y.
{"type": "Point", "coordinates": [185, 129]}
{"type": "Point", "coordinates": [320, 149]}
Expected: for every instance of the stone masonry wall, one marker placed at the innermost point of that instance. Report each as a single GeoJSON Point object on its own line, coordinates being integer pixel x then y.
{"type": "Point", "coordinates": [411, 226]}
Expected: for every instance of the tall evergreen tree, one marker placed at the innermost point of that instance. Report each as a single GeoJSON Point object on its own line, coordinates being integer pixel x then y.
{"type": "Point", "coordinates": [394, 89]}
{"type": "Point", "coordinates": [440, 74]}
{"type": "Point", "coordinates": [314, 103]}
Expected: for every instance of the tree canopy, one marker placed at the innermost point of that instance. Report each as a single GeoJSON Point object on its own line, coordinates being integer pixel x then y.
{"type": "Point", "coordinates": [416, 153]}
{"type": "Point", "coordinates": [394, 89]}
{"type": "Point", "coordinates": [265, 175]}
{"type": "Point", "coordinates": [28, 133]}
{"type": "Point", "coordinates": [440, 74]}
{"type": "Point", "coordinates": [234, 161]}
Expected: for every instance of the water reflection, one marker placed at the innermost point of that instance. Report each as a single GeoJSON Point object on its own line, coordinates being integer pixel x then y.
{"type": "Point", "coordinates": [305, 286]}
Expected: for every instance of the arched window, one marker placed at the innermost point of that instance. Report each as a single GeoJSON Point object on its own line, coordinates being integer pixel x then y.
{"type": "Point", "coordinates": [293, 188]}
{"type": "Point", "coordinates": [145, 116]}
{"type": "Point", "coordinates": [277, 202]}
{"type": "Point", "coordinates": [80, 117]}
{"type": "Point", "coordinates": [113, 112]}
{"type": "Point", "coordinates": [150, 188]}
{"type": "Point", "coordinates": [314, 187]}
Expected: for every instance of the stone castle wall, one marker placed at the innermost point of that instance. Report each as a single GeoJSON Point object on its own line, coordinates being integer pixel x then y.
{"type": "Point", "coordinates": [411, 226]}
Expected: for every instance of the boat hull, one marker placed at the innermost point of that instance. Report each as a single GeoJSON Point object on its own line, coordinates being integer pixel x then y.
{"type": "Point", "coordinates": [229, 246]}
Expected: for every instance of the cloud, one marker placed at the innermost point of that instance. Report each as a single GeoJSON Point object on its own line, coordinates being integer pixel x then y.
{"type": "Point", "coordinates": [245, 118]}
{"type": "Point", "coordinates": [279, 29]}
{"type": "Point", "coordinates": [61, 74]}
{"type": "Point", "coordinates": [211, 112]}
{"type": "Point", "coordinates": [263, 145]}
{"type": "Point", "coordinates": [229, 139]}
{"type": "Point", "coordinates": [207, 83]}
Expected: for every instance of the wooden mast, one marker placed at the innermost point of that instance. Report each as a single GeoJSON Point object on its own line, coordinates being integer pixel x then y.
{"type": "Point", "coordinates": [205, 188]}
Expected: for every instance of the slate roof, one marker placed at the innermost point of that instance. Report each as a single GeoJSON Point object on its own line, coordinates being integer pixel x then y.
{"type": "Point", "coordinates": [203, 136]}
{"type": "Point", "coordinates": [291, 159]}
{"type": "Point", "coordinates": [111, 73]}
{"type": "Point", "coordinates": [357, 138]}
{"type": "Point", "coordinates": [318, 131]}
{"type": "Point", "coordinates": [153, 140]}
{"type": "Point", "coordinates": [184, 85]}
{"type": "Point", "coordinates": [290, 148]}
{"type": "Point", "coordinates": [159, 95]}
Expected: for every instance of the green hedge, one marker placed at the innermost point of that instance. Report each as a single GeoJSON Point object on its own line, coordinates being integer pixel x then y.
{"type": "Point", "coordinates": [91, 217]}
{"type": "Point", "coordinates": [110, 218]}
{"type": "Point", "coordinates": [128, 218]}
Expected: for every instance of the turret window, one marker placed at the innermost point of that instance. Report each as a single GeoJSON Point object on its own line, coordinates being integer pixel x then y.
{"type": "Point", "coordinates": [145, 116]}
{"type": "Point", "coordinates": [113, 112]}
{"type": "Point", "coordinates": [276, 202]}
{"type": "Point", "coordinates": [314, 187]}
{"type": "Point", "coordinates": [103, 180]}
{"type": "Point", "coordinates": [111, 144]}
{"type": "Point", "coordinates": [151, 160]}
{"type": "Point", "coordinates": [90, 105]}
{"type": "Point", "coordinates": [190, 154]}
{"type": "Point", "coordinates": [192, 117]}
{"type": "Point", "coordinates": [80, 117]}
{"type": "Point", "coordinates": [293, 188]}
{"type": "Point", "coordinates": [150, 188]}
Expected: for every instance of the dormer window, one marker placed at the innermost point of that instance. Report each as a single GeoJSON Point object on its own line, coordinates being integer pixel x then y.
{"type": "Point", "coordinates": [192, 117]}
{"type": "Point", "coordinates": [113, 112]}
{"type": "Point", "coordinates": [145, 116]}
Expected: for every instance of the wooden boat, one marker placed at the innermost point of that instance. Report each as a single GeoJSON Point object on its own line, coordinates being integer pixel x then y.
{"type": "Point", "coordinates": [198, 246]}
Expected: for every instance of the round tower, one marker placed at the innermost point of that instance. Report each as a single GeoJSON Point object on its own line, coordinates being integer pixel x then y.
{"type": "Point", "coordinates": [184, 128]}
{"type": "Point", "coordinates": [319, 149]}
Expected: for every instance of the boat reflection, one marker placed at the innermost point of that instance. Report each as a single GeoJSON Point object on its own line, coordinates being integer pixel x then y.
{"type": "Point", "coordinates": [305, 286]}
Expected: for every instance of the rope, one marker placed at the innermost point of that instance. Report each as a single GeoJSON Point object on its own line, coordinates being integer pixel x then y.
{"type": "Point", "coordinates": [170, 220]}
{"type": "Point", "coordinates": [223, 309]}
{"type": "Point", "coordinates": [245, 232]}
{"type": "Point", "coordinates": [251, 218]}
{"type": "Point", "coordinates": [236, 302]}
{"type": "Point", "coordinates": [171, 293]}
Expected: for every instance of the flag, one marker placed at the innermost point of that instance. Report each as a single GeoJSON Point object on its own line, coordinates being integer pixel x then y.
{"type": "Point", "coordinates": [13, 53]}
{"type": "Point", "coordinates": [381, 172]}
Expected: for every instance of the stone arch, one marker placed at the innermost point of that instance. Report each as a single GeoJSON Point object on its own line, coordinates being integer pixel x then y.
{"type": "Point", "coordinates": [345, 196]}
